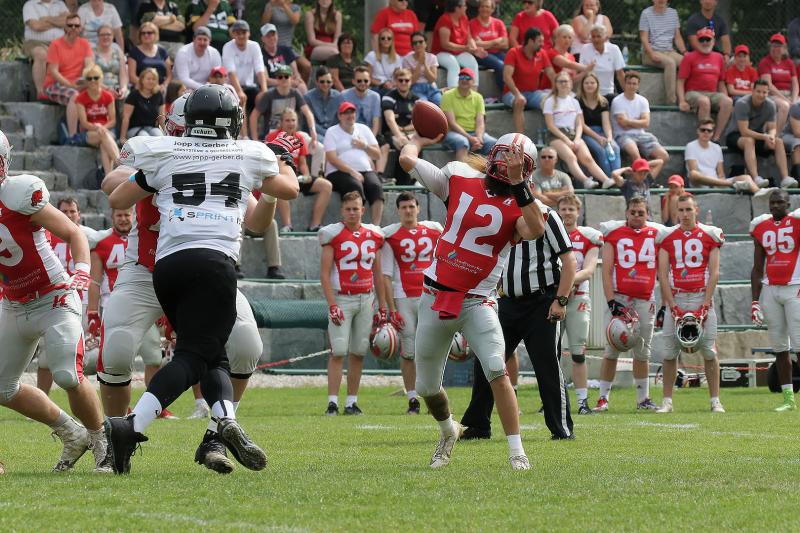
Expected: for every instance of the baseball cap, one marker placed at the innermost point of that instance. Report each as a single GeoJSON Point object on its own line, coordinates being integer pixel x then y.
{"type": "Point", "coordinates": [346, 106]}
{"type": "Point", "coordinates": [675, 180]}
{"type": "Point", "coordinates": [705, 32]}
{"type": "Point", "coordinates": [640, 165]}
{"type": "Point", "coordinates": [266, 28]}
{"type": "Point", "coordinates": [240, 25]}
{"type": "Point", "coordinates": [467, 72]}
{"type": "Point", "coordinates": [286, 70]}
{"type": "Point", "coordinates": [219, 71]}
{"type": "Point", "coordinates": [202, 30]}
{"type": "Point", "coordinates": [777, 37]}
{"type": "Point", "coordinates": [741, 49]}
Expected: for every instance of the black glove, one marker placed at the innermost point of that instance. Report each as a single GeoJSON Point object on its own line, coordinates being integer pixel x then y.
{"type": "Point", "coordinates": [616, 308]}
{"type": "Point", "coordinates": [283, 146]}
{"type": "Point", "coordinates": [660, 316]}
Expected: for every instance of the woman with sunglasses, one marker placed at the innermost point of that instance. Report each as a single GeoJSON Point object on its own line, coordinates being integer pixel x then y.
{"type": "Point", "coordinates": [97, 117]}
{"type": "Point", "coordinates": [149, 54]}
{"type": "Point", "coordinates": [142, 108]}
{"type": "Point", "coordinates": [423, 66]}
{"type": "Point", "coordinates": [323, 26]}
{"type": "Point", "coordinates": [453, 43]}
{"type": "Point", "coordinates": [342, 65]}
{"type": "Point", "coordinates": [383, 61]}
{"type": "Point", "coordinates": [491, 35]}
{"type": "Point", "coordinates": [109, 57]}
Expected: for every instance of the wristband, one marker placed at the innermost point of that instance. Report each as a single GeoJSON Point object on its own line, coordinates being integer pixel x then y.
{"type": "Point", "coordinates": [82, 267]}
{"type": "Point", "coordinates": [522, 194]}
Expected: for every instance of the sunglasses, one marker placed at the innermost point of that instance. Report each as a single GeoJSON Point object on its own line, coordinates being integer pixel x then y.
{"type": "Point", "coordinates": [73, 26]}
{"type": "Point", "coordinates": [386, 38]}
{"type": "Point", "coordinates": [147, 33]}
{"type": "Point", "coordinates": [705, 130]}
{"type": "Point", "coordinates": [278, 77]}
{"type": "Point", "coordinates": [464, 77]}
{"type": "Point", "coordinates": [362, 81]}
{"type": "Point", "coordinates": [418, 41]}
{"type": "Point", "coordinates": [92, 78]}
{"type": "Point", "coordinates": [325, 82]}
{"type": "Point", "coordinates": [547, 157]}
{"type": "Point", "coordinates": [704, 40]}
{"type": "Point", "coordinates": [403, 80]}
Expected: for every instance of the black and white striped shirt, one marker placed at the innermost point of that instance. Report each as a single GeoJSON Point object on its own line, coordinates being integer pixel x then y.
{"type": "Point", "coordinates": [535, 265]}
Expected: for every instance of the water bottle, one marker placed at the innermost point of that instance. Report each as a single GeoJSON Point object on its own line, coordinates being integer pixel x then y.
{"type": "Point", "coordinates": [625, 53]}
{"type": "Point", "coordinates": [541, 137]}
{"type": "Point", "coordinates": [709, 218]}
{"type": "Point", "coordinates": [610, 153]}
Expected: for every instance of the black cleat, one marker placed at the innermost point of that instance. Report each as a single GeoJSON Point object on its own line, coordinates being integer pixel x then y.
{"type": "Point", "coordinates": [584, 409]}
{"type": "Point", "coordinates": [122, 441]}
{"type": "Point", "coordinates": [353, 410]}
{"type": "Point", "coordinates": [243, 449]}
{"type": "Point", "coordinates": [413, 407]}
{"type": "Point", "coordinates": [571, 436]}
{"type": "Point", "coordinates": [471, 433]}
{"type": "Point", "coordinates": [333, 409]}
{"type": "Point", "coordinates": [211, 454]}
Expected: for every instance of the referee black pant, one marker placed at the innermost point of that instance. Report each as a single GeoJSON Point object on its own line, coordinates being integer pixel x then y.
{"type": "Point", "coordinates": [526, 319]}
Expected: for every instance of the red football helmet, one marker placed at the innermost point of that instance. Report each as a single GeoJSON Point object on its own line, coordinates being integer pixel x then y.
{"type": "Point", "coordinates": [384, 342]}
{"type": "Point", "coordinates": [623, 331]}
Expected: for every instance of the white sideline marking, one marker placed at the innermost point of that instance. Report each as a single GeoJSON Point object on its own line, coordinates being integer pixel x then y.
{"type": "Point", "coordinates": [669, 426]}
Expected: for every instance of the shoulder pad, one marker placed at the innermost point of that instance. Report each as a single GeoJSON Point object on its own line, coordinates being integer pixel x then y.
{"type": "Point", "coordinates": [329, 232]}
{"type": "Point", "coordinates": [795, 213]}
{"type": "Point", "coordinates": [144, 153]}
{"type": "Point", "coordinates": [759, 219]}
{"type": "Point", "coordinates": [610, 225]}
{"type": "Point", "coordinates": [665, 232]}
{"type": "Point", "coordinates": [713, 231]}
{"type": "Point", "coordinates": [591, 234]}
{"type": "Point", "coordinates": [376, 229]}
{"type": "Point", "coordinates": [391, 229]}
{"type": "Point", "coordinates": [457, 168]}
{"type": "Point", "coordinates": [25, 194]}
{"type": "Point", "coordinates": [431, 224]}
{"type": "Point", "coordinates": [94, 236]}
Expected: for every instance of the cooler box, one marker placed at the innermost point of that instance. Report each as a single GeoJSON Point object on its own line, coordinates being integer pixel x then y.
{"type": "Point", "coordinates": [744, 372]}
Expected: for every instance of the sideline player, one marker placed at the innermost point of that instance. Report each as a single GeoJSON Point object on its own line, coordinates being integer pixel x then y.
{"type": "Point", "coordinates": [688, 272]}
{"type": "Point", "coordinates": [586, 244]}
{"type": "Point", "coordinates": [350, 268]}
{"type": "Point", "coordinates": [40, 302]}
{"type": "Point", "coordinates": [203, 181]}
{"type": "Point", "coordinates": [489, 207]}
{"type": "Point", "coordinates": [629, 276]}
{"type": "Point", "coordinates": [406, 253]}
{"type": "Point", "coordinates": [775, 284]}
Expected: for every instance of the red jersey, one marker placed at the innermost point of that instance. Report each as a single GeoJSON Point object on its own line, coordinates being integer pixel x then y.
{"type": "Point", "coordinates": [544, 20]}
{"type": "Point", "coordinates": [353, 255]}
{"type": "Point", "coordinates": [528, 73]}
{"type": "Point", "coordinates": [111, 251]}
{"type": "Point", "coordinates": [741, 79]}
{"type": "Point", "coordinates": [143, 237]}
{"type": "Point", "coordinates": [27, 262]}
{"type": "Point", "coordinates": [402, 24]}
{"type": "Point", "coordinates": [780, 240]}
{"type": "Point", "coordinates": [495, 30]}
{"type": "Point", "coordinates": [553, 53]}
{"type": "Point", "coordinates": [634, 271]}
{"type": "Point", "coordinates": [702, 72]}
{"type": "Point", "coordinates": [405, 255]}
{"type": "Point", "coordinates": [459, 32]}
{"type": "Point", "coordinates": [584, 239]}
{"type": "Point", "coordinates": [782, 72]}
{"type": "Point", "coordinates": [688, 254]}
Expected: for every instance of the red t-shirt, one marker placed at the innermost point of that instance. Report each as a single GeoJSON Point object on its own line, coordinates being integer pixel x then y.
{"type": "Point", "coordinates": [459, 32]}
{"type": "Point", "coordinates": [741, 79]}
{"type": "Point", "coordinates": [544, 20]}
{"type": "Point", "coordinates": [527, 72]}
{"type": "Point", "coordinates": [402, 24]}
{"type": "Point", "coordinates": [552, 53]}
{"type": "Point", "coordinates": [494, 30]}
{"type": "Point", "coordinates": [782, 73]}
{"type": "Point", "coordinates": [296, 154]}
{"type": "Point", "coordinates": [96, 110]}
{"type": "Point", "coordinates": [68, 58]}
{"type": "Point", "coordinates": [702, 72]}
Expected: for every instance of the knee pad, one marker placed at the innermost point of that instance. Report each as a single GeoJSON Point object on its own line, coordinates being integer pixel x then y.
{"type": "Point", "coordinates": [115, 365]}
{"type": "Point", "coordinates": [8, 389]}
{"type": "Point", "coordinates": [244, 349]}
{"type": "Point", "coordinates": [578, 358]}
{"type": "Point", "coordinates": [66, 379]}
{"type": "Point", "coordinates": [494, 367]}
{"type": "Point", "coordinates": [424, 391]}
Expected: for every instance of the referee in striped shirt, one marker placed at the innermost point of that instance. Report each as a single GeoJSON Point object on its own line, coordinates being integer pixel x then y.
{"type": "Point", "coordinates": [537, 280]}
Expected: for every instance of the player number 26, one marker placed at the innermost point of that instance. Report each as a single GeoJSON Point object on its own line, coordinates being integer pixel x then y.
{"type": "Point", "coordinates": [780, 241]}
{"type": "Point", "coordinates": [348, 262]}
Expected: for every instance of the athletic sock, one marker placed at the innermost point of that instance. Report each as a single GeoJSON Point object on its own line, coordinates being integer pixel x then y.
{"type": "Point", "coordinates": [223, 409]}
{"type": "Point", "coordinates": [200, 402]}
{"type": "Point", "coordinates": [515, 445]}
{"type": "Point", "coordinates": [581, 394]}
{"type": "Point", "coordinates": [235, 406]}
{"type": "Point", "coordinates": [786, 387]}
{"type": "Point", "coordinates": [333, 398]}
{"type": "Point", "coordinates": [446, 426]}
{"type": "Point", "coordinates": [350, 400]}
{"type": "Point", "coordinates": [642, 389]}
{"type": "Point", "coordinates": [411, 394]}
{"type": "Point", "coordinates": [146, 410]}
{"type": "Point", "coordinates": [605, 389]}
{"type": "Point", "coordinates": [61, 420]}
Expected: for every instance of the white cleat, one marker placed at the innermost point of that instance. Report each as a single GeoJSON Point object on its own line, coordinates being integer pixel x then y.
{"type": "Point", "coordinates": [519, 462]}
{"type": "Point", "coordinates": [716, 407]}
{"type": "Point", "coordinates": [75, 439]}
{"type": "Point", "coordinates": [101, 453]}
{"type": "Point", "coordinates": [444, 448]}
{"type": "Point", "coordinates": [666, 407]}
{"type": "Point", "coordinates": [200, 411]}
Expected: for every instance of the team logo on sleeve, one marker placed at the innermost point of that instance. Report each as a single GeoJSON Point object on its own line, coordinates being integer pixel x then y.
{"type": "Point", "coordinates": [37, 197]}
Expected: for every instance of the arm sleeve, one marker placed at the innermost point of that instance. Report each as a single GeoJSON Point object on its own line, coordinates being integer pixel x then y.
{"type": "Point", "coordinates": [431, 177]}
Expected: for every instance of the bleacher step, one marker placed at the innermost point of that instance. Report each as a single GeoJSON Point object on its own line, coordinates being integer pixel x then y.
{"type": "Point", "coordinates": [55, 181]}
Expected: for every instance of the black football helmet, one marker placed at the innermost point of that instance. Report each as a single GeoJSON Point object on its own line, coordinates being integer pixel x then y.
{"type": "Point", "coordinates": [213, 111]}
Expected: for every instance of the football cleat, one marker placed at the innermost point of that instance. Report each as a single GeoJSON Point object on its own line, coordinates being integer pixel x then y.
{"type": "Point", "coordinates": [519, 462]}
{"type": "Point", "coordinates": [583, 408]}
{"type": "Point", "coordinates": [444, 448]}
{"type": "Point", "coordinates": [602, 405]}
{"type": "Point", "coordinates": [75, 439]}
{"type": "Point", "coordinates": [666, 406]}
{"type": "Point", "coordinates": [122, 441]}
{"type": "Point", "coordinates": [716, 407]}
{"type": "Point", "coordinates": [333, 409]}
{"type": "Point", "coordinates": [243, 449]}
{"type": "Point", "coordinates": [413, 407]}
{"type": "Point", "coordinates": [212, 454]}
{"type": "Point", "coordinates": [101, 453]}
{"type": "Point", "coordinates": [646, 405]}
{"type": "Point", "coordinates": [200, 411]}
{"type": "Point", "coordinates": [571, 436]}
{"type": "Point", "coordinates": [470, 433]}
{"type": "Point", "coordinates": [166, 415]}
{"type": "Point", "coordinates": [788, 402]}
{"type": "Point", "coordinates": [353, 410]}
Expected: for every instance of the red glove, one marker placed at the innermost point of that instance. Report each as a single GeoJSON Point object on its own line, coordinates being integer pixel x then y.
{"type": "Point", "coordinates": [336, 315]}
{"type": "Point", "coordinates": [397, 320]}
{"type": "Point", "coordinates": [80, 281]}
{"type": "Point", "coordinates": [164, 324]}
{"type": "Point", "coordinates": [677, 311]}
{"type": "Point", "coordinates": [703, 311]}
{"type": "Point", "coordinates": [756, 315]}
{"type": "Point", "coordinates": [381, 317]}
{"type": "Point", "coordinates": [93, 326]}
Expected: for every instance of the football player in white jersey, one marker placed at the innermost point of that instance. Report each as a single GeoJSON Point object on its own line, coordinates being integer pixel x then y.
{"type": "Point", "coordinates": [203, 181]}
{"type": "Point", "coordinates": [41, 302]}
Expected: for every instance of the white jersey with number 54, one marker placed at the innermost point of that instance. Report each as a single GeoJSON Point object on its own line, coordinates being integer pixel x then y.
{"type": "Point", "coordinates": [203, 186]}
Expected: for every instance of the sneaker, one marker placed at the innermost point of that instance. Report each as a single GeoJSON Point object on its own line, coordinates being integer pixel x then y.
{"type": "Point", "coordinates": [243, 449]}
{"type": "Point", "coordinates": [470, 433]}
{"type": "Point", "coordinates": [353, 410]}
{"type": "Point", "coordinates": [314, 229]}
{"type": "Point", "coordinates": [200, 411]}
{"type": "Point", "coordinates": [602, 405]}
{"type": "Point", "coordinates": [788, 402]}
{"type": "Point", "coordinates": [608, 184]}
{"type": "Point", "coordinates": [333, 409]}
{"type": "Point", "coordinates": [590, 184]}
{"type": "Point", "coordinates": [583, 408]}
{"type": "Point", "coordinates": [287, 229]}
{"type": "Point", "coordinates": [274, 272]}
{"type": "Point", "coordinates": [519, 462]}
{"type": "Point", "coordinates": [761, 182]}
{"type": "Point", "coordinates": [666, 406]}
{"type": "Point", "coordinates": [716, 407]}
{"type": "Point", "coordinates": [166, 415]}
{"type": "Point", "coordinates": [647, 405]}
{"type": "Point", "coordinates": [212, 454]}
{"type": "Point", "coordinates": [413, 407]}
{"type": "Point", "coordinates": [788, 183]}
{"type": "Point", "coordinates": [741, 186]}
{"type": "Point", "coordinates": [75, 439]}
{"type": "Point", "coordinates": [122, 441]}
{"type": "Point", "coordinates": [101, 453]}
{"type": "Point", "coordinates": [444, 448]}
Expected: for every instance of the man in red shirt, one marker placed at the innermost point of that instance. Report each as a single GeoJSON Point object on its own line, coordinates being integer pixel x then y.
{"type": "Point", "coordinates": [740, 76]}
{"type": "Point", "coordinates": [522, 73]}
{"type": "Point", "coordinates": [701, 83]}
{"type": "Point", "coordinates": [401, 20]}
{"type": "Point", "coordinates": [779, 71]}
{"type": "Point", "coordinates": [532, 16]}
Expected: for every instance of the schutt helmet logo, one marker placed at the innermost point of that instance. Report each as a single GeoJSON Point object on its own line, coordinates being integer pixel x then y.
{"type": "Point", "coordinates": [36, 197]}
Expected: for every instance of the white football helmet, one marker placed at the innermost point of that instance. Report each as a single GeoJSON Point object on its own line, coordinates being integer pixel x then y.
{"type": "Point", "coordinates": [459, 349]}
{"type": "Point", "coordinates": [497, 162]}
{"type": "Point", "coordinates": [689, 330]}
{"type": "Point", "coordinates": [384, 342]}
{"type": "Point", "coordinates": [5, 154]}
{"type": "Point", "coordinates": [175, 123]}
{"type": "Point", "coordinates": [623, 331]}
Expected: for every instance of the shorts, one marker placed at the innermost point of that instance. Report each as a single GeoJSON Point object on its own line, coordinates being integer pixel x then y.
{"type": "Point", "coordinates": [791, 142]}
{"type": "Point", "coordinates": [715, 98]}
{"type": "Point", "coordinates": [455, 142]}
{"type": "Point", "coordinates": [733, 138]}
{"type": "Point", "coordinates": [305, 188]}
{"type": "Point", "coordinates": [647, 312]}
{"type": "Point", "coordinates": [576, 323]}
{"type": "Point", "coordinates": [408, 309]}
{"type": "Point", "coordinates": [59, 94]}
{"type": "Point", "coordinates": [569, 132]}
{"type": "Point", "coordinates": [707, 347]}
{"type": "Point", "coordinates": [533, 99]}
{"type": "Point", "coordinates": [29, 46]}
{"type": "Point", "coordinates": [646, 142]}
{"type": "Point", "coordinates": [352, 336]}
{"type": "Point", "coordinates": [781, 307]}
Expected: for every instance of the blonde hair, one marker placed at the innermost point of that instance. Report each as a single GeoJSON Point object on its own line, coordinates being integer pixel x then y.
{"type": "Point", "coordinates": [93, 69]}
{"type": "Point", "coordinates": [150, 25]}
{"type": "Point", "coordinates": [478, 162]}
{"type": "Point", "coordinates": [572, 199]}
{"type": "Point", "coordinates": [602, 100]}
{"type": "Point", "coordinates": [142, 74]}
{"type": "Point", "coordinates": [392, 52]}
{"type": "Point", "coordinates": [400, 71]}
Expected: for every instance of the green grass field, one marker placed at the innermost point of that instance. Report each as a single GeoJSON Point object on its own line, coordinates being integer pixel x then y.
{"type": "Point", "coordinates": [629, 471]}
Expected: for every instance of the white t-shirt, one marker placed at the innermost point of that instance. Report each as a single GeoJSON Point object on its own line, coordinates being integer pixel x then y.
{"type": "Point", "coordinates": [607, 64]}
{"type": "Point", "coordinates": [632, 109]}
{"type": "Point", "coordinates": [245, 63]}
{"type": "Point", "coordinates": [339, 141]}
{"type": "Point", "coordinates": [565, 113]}
{"type": "Point", "coordinates": [34, 10]}
{"type": "Point", "coordinates": [193, 71]}
{"type": "Point", "coordinates": [410, 62]}
{"type": "Point", "coordinates": [706, 158]}
{"type": "Point", "coordinates": [91, 22]}
{"type": "Point", "coordinates": [382, 70]}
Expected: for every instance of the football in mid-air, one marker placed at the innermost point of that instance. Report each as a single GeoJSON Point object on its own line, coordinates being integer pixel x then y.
{"type": "Point", "coordinates": [429, 121]}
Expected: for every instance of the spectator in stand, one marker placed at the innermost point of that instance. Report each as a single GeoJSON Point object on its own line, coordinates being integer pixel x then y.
{"type": "Point", "coordinates": [561, 58]}
{"type": "Point", "coordinates": [490, 34]}
{"type": "Point", "coordinates": [310, 184]}
{"type": "Point", "coordinates": [701, 83]}
{"type": "Point", "coordinates": [169, 22]}
{"type": "Point", "coordinates": [630, 117]}
{"type": "Point", "coordinates": [793, 33]}
{"type": "Point", "coordinates": [241, 57]}
{"type": "Point", "coordinates": [532, 16]}
{"type": "Point", "coordinates": [343, 64]}
{"type": "Point", "coordinates": [350, 148]}
{"type": "Point", "coordinates": [144, 105]}
{"type": "Point", "coordinates": [273, 103]}
{"type": "Point", "coordinates": [96, 13]}
{"type": "Point", "coordinates": [707, 18]}
{"type": "Point", "coordinates": [323, 27]}
{"type": "Point", "coordinates": [740, 76]}
{"type": "Point", "coordinates": [67, 56]}
{"type": "Point", "coordinates": [597, 132]}
{"type": "Point", "coordinates": [551, 184]}
{"type": "Point", "coordinates": [524, 68]}
{"type": "Point", "coordinates": [423, 66]}
{"type": "Point", "coordinates": [641, 176]}
{"type": "Point", "coordinates": [175, 89]}
{"type": "Point", "coordinates": [98, 116]}
{"type": "Point", "coordinates": [607, 59]}
{"type": "Point", "coordinates": [564, 120]}
{"type": "Point", "coordinates": [669, 201]}
{"type": "Point", "coordinates": [276, 55]}
{"type": "Point", "coordinates": [452, 42]}
{"type": "Point", "coordinates": [214, 15]}
{"type": "Point", "coordinates": [111, 60]}
{"type": "Point", "coordinates": [382, 61]}
{"type": "Point", "coordinates": [660, 33]}
{"type": "Point", "coordinates": [401, 21]}
{"type": "Point", "coordinates": [149, 54]}
{"type": "Point", "coordinates": [194, 61]}
{"type": "Point", "coordinates": [44, 22]}
{"type": "Point", "coordinates": [791, 138]}
{"type": "Point", "coordinates": [367, 101]}
{"type": "Point", "coordinates": [397, 127]}
{"type": "Point", "coordinates": [705, 166]}
{"type": "Point", "coordinates": [753, 132]}
{"type": "Point", "coordinates": [324, 102]}
{"type": "Point", "coordinates": [285, 15]}
{"type": "Point", "coordinates": [586, 17]}
{"type": "Point", "coordinates": [780, 73]}
{"type": "Point", "coordinates": [466, 118]}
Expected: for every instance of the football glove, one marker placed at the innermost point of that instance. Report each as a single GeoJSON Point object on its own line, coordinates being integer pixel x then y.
{"type": "Point", "coordinates": [283, 146]}
{"type": "Point", "coordinates": [93, 323]}
{"type": "Point", "coordinates": [80, 281]}
{"type": "Point", "coordinates": [381, 317]}
{"type": "Point", "coordinates": [169, 333]}
{"type": "Point", "coordinates": [756, 315]}
{"type": "Point", "coordinates": [397, 320]}
{"type": "Point", "coordinates": [616, 308]}
{"type": "Point", "coordinates": [336, 315]}
{"type": "Point", "coordinates": [660, 316]}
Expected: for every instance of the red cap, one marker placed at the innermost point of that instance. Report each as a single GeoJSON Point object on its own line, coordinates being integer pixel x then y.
{"type": "Point", "coordinates": [640, 165]}
{"type": "Point", "coordinates": [741, 49]}
{"type": "Point", "coordinates": [346, 106]}
{"type": "Point", "coordinates": [675, 180]}
{"type": "Point", "coordinates": [468, 71]}
{"type": "Point", "coordinates": [705, 32]}
{"type": "Point", "coordinates": [219, 71]}
{"type": "Point", "coordinates": [778, 37]}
